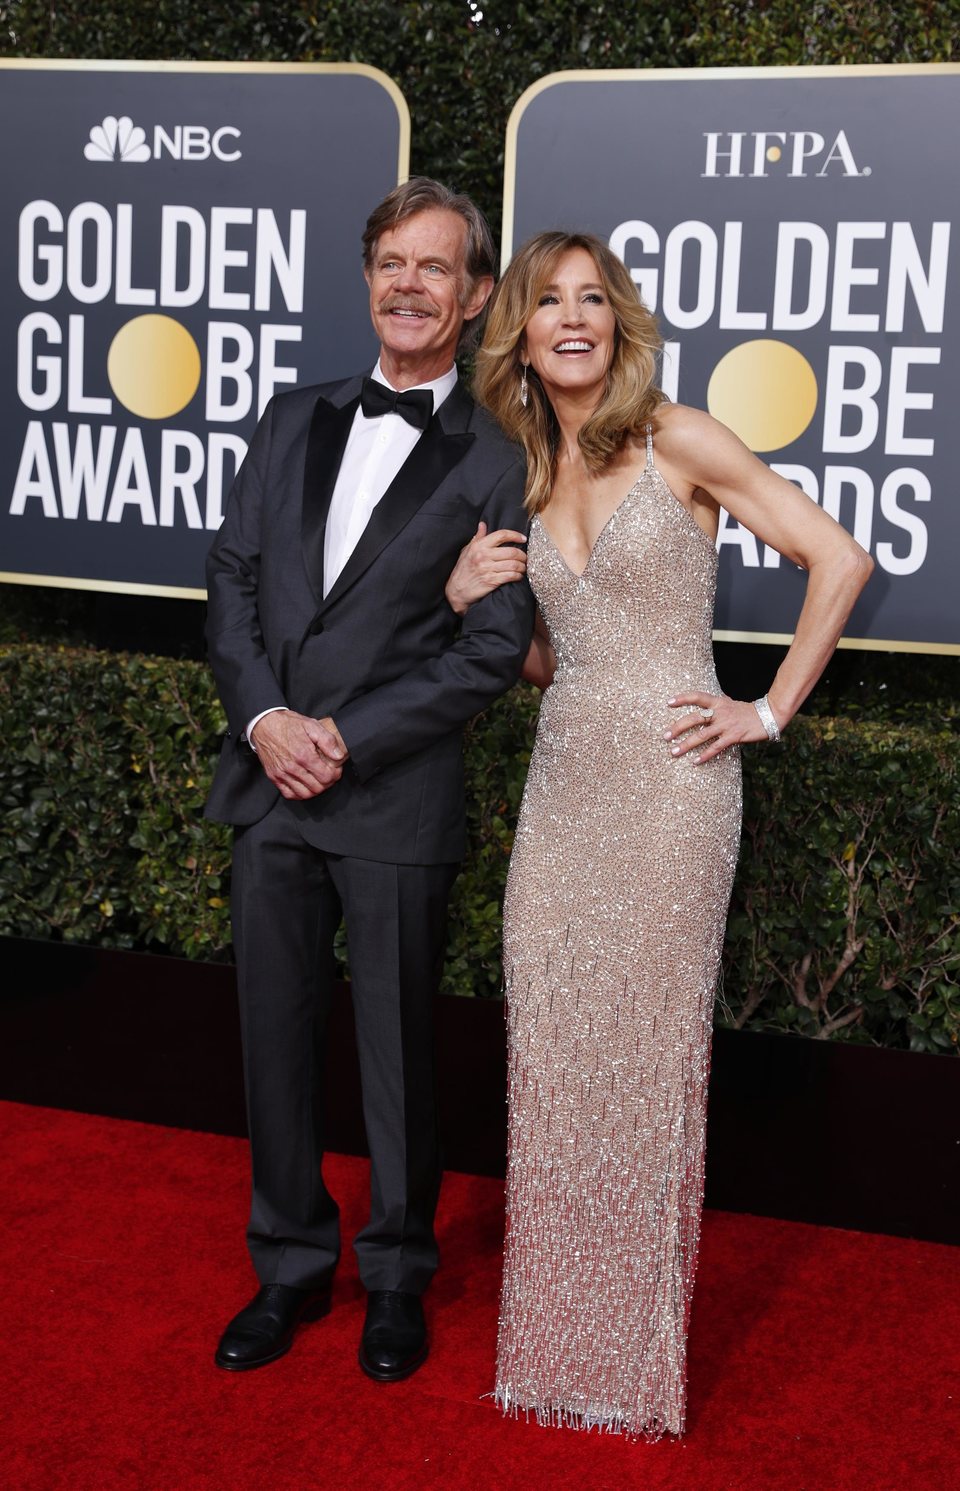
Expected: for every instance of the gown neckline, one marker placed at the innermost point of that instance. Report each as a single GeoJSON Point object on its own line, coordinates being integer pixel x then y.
{"type": "Point", "coordinates": [691, 521]}
{"type": "Point", "coordinates": [579, 574]}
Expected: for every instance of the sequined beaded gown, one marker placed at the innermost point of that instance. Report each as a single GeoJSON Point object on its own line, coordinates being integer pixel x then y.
{"type": "Point", "coordinates": [613, 926]}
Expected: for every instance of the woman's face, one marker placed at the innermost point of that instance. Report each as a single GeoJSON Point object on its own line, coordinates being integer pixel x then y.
{"type": "Point", "coordinates": [569, 339]}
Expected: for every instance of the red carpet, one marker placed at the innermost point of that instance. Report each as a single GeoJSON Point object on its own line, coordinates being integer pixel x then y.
{"type": "Point", "coordinates": [819, 1360]}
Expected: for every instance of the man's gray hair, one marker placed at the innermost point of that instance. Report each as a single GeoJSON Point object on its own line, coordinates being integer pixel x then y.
{"type": "Point", "coordinates": [419, 194]}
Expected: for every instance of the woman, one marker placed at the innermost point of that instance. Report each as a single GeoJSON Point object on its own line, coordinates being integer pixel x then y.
{"type": "Point", "coordinates": [628, 835]}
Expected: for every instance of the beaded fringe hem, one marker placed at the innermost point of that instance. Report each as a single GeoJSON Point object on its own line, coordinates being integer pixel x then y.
{"type": "Point", "coordinates": [630, 1219]}
{"type": "Point", "coordinates": [560, 1416]}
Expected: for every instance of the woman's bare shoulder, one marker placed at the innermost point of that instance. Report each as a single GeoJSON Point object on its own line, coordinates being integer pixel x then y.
{"type": "Point", "coordinates": [680, 422]}
{"type": "Point", "coordinates": [686, 436]}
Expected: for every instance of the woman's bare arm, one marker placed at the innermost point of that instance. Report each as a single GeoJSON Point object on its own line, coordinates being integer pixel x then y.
{"type": "Point", "coordinates": [541, 660]}
{"type": "Point", "coordinates": [712, 460]}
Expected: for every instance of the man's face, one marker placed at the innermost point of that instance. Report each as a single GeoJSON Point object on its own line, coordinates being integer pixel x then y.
{"type": "Point", "coordinates": [420, 295]}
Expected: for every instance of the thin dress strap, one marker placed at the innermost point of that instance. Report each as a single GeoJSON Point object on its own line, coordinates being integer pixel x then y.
{"type": "Point", "coordinates": [649, 433]}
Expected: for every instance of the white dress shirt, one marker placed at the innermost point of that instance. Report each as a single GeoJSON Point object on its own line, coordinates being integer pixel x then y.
{"type": "Point", "coordinates": [374, 452]}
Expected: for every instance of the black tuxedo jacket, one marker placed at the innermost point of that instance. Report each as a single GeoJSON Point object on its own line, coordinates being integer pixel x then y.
{"type": "Point", "coordinates": [382, 653]}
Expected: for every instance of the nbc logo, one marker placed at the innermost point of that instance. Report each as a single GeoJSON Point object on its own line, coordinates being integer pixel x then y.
{"type": "Point", "coordinates": [117, 139]}
{"type": "Point", "coordinates": [122, 140]}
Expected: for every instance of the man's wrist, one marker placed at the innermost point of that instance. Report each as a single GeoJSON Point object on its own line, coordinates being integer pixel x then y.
{"type": "Point", "coordinates": [248, 733]}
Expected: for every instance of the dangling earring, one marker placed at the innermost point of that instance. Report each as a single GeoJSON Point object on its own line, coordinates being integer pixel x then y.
{"type": "Point", "coordinates": [524, 390]}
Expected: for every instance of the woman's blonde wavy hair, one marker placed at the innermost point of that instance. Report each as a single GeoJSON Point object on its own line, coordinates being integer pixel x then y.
{"type": "Point", "coordinates": [631, 395]}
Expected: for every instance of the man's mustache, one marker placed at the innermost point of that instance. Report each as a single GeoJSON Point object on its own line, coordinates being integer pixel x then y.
{"type": "Point", "coordinates": [407, 303]}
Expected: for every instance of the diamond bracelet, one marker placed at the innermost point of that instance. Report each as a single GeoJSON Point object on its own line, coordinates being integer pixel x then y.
{"type": "Point", "coordinates": [767, 718]}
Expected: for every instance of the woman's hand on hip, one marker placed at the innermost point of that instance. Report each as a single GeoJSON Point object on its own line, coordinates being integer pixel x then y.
{"type": "Point", "coordinates": [487, 561]}
{"type": "Point", "coordinates": [715, 723]}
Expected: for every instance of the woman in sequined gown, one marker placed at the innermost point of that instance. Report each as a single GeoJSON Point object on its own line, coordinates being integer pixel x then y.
{"type": "Point", "coordinates": [628, 834]}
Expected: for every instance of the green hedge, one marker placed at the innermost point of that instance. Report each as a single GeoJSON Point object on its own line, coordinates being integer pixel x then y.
{"type": "Point", "coordinates": [846, 910]}
{"type": "Point", "coordinates": [845, 917]}
{"type": "Point", "coordinates": [106, 763]}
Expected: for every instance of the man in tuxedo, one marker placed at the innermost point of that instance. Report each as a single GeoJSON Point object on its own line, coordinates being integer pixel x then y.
{"type": "Point", "coordinates": [347, 681]}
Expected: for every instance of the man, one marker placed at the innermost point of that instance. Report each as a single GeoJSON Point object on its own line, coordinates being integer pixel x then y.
{"type": "Point", "coordinates": [347, 683]}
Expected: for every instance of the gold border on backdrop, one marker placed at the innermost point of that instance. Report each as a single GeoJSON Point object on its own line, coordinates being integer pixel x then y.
{"type": "Point", "coordinates": [859, 644]}
{"type": "Point", "coordinates": [111, 587]}
{"type": "Point", "coordinates": [91, 64]}
{"type": "Point", "coordinates": [682, 75]}
{"type": "Point", "coordinates": [714, 74]}
{"type": "Point", "coordinates": [87, 64]}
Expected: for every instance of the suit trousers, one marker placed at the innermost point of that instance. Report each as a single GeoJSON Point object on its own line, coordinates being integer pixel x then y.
{"type": "Point", "coordinates": [288, 900]}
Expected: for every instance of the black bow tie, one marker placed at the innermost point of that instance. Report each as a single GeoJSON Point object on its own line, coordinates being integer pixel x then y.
{"type": "Point", "coordinates": [415, 406]}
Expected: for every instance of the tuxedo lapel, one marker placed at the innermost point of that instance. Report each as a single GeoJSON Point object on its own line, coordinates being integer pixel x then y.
{"type": "Point", "coordinates": [326, 441]}
{"type": "Point", "coordinates": [443, 444]}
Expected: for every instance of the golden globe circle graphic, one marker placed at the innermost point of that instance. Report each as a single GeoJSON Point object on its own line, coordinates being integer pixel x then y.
{"type": "Point", "coordinates": [153, 366]}
{"type": "Point", "coordinates": [766, 391]}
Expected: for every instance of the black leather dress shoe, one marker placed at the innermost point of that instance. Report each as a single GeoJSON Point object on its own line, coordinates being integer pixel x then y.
{"type": "Point", "coordinates": [394, 1341]}
{"type": "Point", "coordinates": [265, 1329]}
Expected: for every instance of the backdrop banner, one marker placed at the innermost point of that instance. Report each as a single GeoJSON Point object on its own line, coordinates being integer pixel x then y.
{"type": "Point", "coordinates": [184, 239]}
{"type": "Point", "coordinates": [795, 231]}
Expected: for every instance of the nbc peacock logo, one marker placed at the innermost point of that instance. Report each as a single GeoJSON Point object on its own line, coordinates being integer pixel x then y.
{"type": "Point", "coordinates": [117, 140]}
